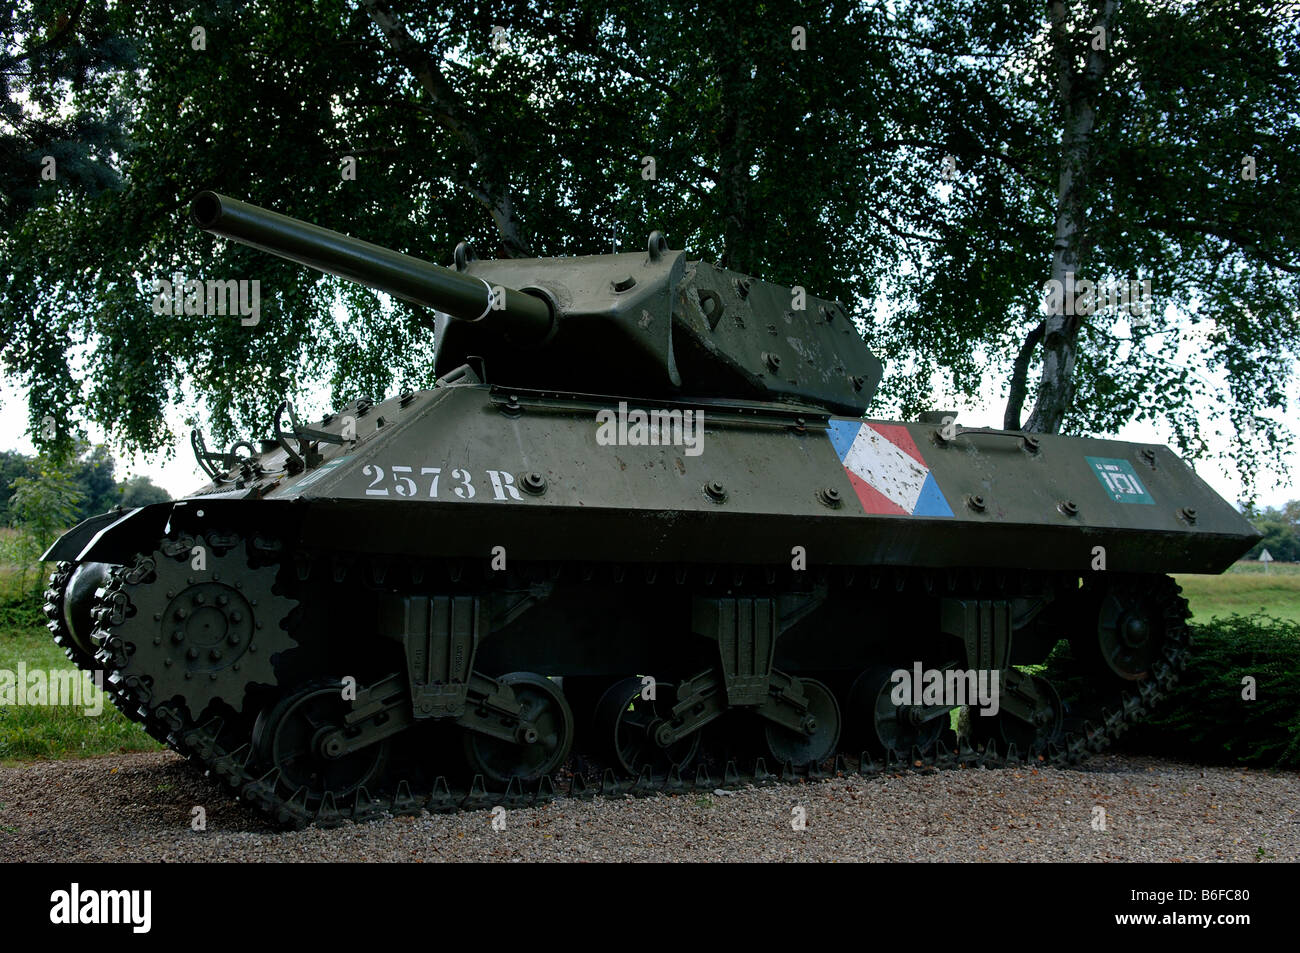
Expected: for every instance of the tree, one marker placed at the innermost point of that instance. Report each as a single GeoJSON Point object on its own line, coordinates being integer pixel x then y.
{"type": "Point", "coordinates": [1281, 529]}
{"type": "Point", "coordinates": [12, 466]}
{"type": "Point", "coordinates": [92, 480]}
{"type": "Point", "coordinates": [95, 483]}
{"type": "Point", "coordinates": [534, 145]}
{"type": "Point", "coordinates": [58, 138]}
{"type": "Point", "coordinates": [42, 507]}
{"type": "Point", "coordinates": [50, 51]}
{"type": "Point", "coordinates": [1174, 157]}
{"type": "Point", "coordinates": [930, 163]}
{"type": "Point", "coordinates": [141, 491]}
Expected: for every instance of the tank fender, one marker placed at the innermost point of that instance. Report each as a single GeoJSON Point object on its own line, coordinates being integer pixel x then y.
{"type": "Point", "coordinates": [113, 537]}
{"type": "Point", "coordinates": [70, 544]}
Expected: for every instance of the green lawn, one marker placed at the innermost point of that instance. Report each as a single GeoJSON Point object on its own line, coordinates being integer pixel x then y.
{"type": "Point", "coordinates": [30, 732]}
{"type": "Point", "coordinates": [1244, 589]}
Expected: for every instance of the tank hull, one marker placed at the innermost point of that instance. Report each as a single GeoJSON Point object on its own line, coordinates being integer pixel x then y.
{"type": "Point", "coordinates": [904, 495]}
{"type": "Point", "coordinates": [445, 475]}
{"type": "Point", "coordinates": [502, 567]}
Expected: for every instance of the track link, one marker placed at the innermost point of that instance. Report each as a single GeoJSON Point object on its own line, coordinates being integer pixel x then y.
{"type": "Point", "coordinates": [1095, 722]}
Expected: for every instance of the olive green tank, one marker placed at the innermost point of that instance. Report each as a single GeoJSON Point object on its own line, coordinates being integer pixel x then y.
{"type": "Point", "coordinates": [637, 538]}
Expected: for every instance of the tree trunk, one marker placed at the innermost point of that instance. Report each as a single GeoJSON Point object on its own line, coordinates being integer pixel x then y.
{"type": "Point", "coordinates": [736, 156]}
{"type": "Point", "coordinates": [1020, 376]}
{"type": "Point", "coordinates": [1076, 95]}
{"type": "Point", "coordinates": [486, 182]}
{"type": "Point", "coordinates": [735, 152]}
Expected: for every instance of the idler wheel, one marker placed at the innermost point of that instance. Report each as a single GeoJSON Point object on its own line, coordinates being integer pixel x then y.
{"type": "Point", "coordinates": [539, 750]}
{"type": "Point", "coordinates": [78, 598]}
{"type": "Point", "coordinates": [291, 737]}
{"type": "Point", "coordinates": [1133, 618]}
{"type": "Point", "coordinates": [883, 726]}
{"type": "Point", "coordinates": [627, 724]}
{"type": "Point", "coordinates": [1128, 633]}
{"type": "Point", "coordinates": [821, 731]}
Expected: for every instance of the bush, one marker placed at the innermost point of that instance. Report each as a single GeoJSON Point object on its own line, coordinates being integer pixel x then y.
{"type": "Point", "coordinates": [1207, 720]}
{"type": "Point", "coordinates": [40, 508]}
{"type": "Point", "coordinates": [21, 613]}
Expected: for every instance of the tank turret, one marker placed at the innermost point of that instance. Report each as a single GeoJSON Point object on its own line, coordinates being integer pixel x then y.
{"type": "Point", "coordinates": [645, 324]}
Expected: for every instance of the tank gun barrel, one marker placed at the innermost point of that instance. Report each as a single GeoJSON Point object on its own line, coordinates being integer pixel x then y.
{"type": "Point", "coordinates": [463, 297]}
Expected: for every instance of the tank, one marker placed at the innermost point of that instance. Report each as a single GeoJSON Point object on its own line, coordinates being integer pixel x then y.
{"type": "Point", "coordinates": [638, 538]}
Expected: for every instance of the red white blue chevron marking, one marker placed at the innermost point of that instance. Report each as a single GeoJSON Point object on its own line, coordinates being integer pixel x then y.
{"type": "Point", "coordinates": [887, 470]}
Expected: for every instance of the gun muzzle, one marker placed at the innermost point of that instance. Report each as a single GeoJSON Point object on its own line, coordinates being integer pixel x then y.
{"type": "Point", "coordinates": [524, 317]}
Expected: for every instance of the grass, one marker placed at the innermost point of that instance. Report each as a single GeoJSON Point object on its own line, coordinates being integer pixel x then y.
{"type": "Point", "coordinates": [31, 732]}
{"type": "Point", "coordinates": [1244, 589]}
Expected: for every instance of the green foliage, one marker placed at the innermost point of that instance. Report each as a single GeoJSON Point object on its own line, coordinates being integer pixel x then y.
{"type": "Point", "coordinates": [1281, 529]}
{"type": "Point", "coordinates": [20, 609]}
{"type": "Point", "coordinates": [141, 491]}
{"type": "Point", "coordinates": [41, 507]}
{"type": "Point", "coordinates": [42, 500]}
{"type": "Point", "coordinates": [24, 613]}
{"type": "Point", "coordinates": [1206, 719]}
{"type": "Point", "coordinates": [44, 505]}
{"type": "Point", "coordinates": [19, 605]}
{"type": "Point", "coordinates": [61, 142]}
{"type": "Point", "coordinates": [93, 476]}
{"type": "Point", "coordinates": [1280, 539]}
{"type": "Point", "coordinates": [49, 51]}
{"type": "Point", "coordinates": [95, 484]}
{"type": "Point", "coordinates": [12, 466]}
{"type": "Point", "coordinates": [1163, 197]}
{"type": "Point", "coordinates": [821, 167]}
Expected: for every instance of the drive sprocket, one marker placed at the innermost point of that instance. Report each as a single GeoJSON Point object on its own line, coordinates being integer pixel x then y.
{"type": "Point", "coordinates": [194, 623]}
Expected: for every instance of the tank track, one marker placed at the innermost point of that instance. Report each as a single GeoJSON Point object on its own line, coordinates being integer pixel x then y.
{"type": "Point", "coordinates": [56, 623]}
{"type": "Point", "coordinates": [58, 627]}
{"type": "Point", "coordinates": [1094, 722]}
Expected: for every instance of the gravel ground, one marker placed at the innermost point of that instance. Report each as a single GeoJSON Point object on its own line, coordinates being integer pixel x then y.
{"type": "Point", "coordinates": [138, 808]}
